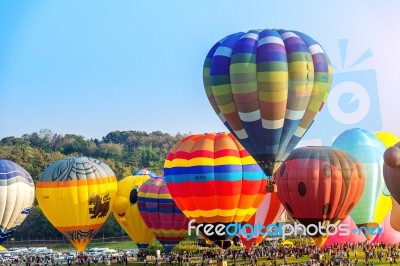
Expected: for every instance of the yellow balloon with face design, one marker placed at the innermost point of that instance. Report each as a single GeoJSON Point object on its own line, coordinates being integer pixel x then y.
{"type": "Point", "coordinates": [126, 211]}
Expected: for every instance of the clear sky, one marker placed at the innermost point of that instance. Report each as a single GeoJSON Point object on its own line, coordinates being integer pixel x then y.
{"type": "Point", "coordinates": [91, 67]}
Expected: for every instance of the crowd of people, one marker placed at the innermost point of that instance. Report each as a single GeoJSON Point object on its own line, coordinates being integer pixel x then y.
{"type": "Point", "coordinates": [55, 259]}
{"type": "Point", "coordinates": [263, 255]}
{"type": "Point", "coordinates": [337, 254]}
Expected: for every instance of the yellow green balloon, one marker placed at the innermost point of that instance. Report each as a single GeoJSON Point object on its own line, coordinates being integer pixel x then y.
{"type": "Point", "coordinates": [76, 195]}
{"type": "Point", "coordinates": [126, 211]}
{"type": "Point", "coordinates": [388, 139]}
{"type": "Point", "coordinates": [385, 203]}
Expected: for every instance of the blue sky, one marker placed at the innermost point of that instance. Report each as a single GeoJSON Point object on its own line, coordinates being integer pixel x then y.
{"type": "Point", "coordinates": [92, 67]}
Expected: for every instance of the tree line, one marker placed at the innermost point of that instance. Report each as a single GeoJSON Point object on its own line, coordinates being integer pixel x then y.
{"type": "Point", "coordinates": [124, 151]}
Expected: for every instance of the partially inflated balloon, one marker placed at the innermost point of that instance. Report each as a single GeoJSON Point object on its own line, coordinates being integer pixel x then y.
{"type": "Point", "coordinates": [76, 195]}
{"type": "Point", "coordinates": [387, 235]}
{"type": "Point", "coordinates": [320, 184]}
{"type": "Point", "coordinates": [144, 171]}
{"type": "Point", "coordinates": [355, 235]}
{"type": "Point", "coordinates": [126, 210]}
{"type": "Point", "coordinates": [268, 213]}
{"type": "Point", "coordinates": [267, 86]}
{"type": "Point", "coordinates": [161, 214]}
{"type": "Point", "coordinates": [17, 193]}
{"type": "Point", "coordinates": [368, 150]}
{"type": "Point", "coordinates": [214, 180]}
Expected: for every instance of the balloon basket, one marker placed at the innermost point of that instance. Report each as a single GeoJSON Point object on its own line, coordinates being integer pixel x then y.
{"type": "Point", "coordinates": [272, 188]}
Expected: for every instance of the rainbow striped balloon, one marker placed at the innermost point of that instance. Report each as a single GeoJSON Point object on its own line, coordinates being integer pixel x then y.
{"type": "Point", "coordinates": [161, 214]}
{"type": "Point", "coordinates": [267, 86]}
{"type": "Point", "coordinates": [213, 179]}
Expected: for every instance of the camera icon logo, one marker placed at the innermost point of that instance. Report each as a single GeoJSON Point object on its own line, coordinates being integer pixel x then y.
{"type": "Point", "coordinates": [352, 102]}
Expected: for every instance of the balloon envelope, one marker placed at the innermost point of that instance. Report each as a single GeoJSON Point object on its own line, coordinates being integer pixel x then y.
{"type": "Point", "coordinates": [320, 184]}
{"type": "Point", "coordinates": [269, 212]}
{"type": "Point", "coordinates": [214, 180]}
{"type": "Point", "coordinates": [161, 214]}
{"type": "Point", "coordinates": [126, 210]}
{"type": "Point", "coordinates": [144, 171]}
{"type": "Point", "coordinates": [76, 195]}
{"type": "Point", "coordinates": [368, 150]}
{"type": "Point", "coordinates": [267, 87]}
{"type": "Point", "coordinates": [17, 193]}
{"type": "Point", "coordinates": [355, 236]}
{"type": "Point", "coordinates": [389, 236]}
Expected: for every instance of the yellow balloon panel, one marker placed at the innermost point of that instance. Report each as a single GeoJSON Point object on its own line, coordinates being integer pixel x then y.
{"type": "Point", "coordinates": [126, 211]}
{"type": "Point", "coordinates": [135, 226]}
{"type": "Point", "coordinates": [67, 206]}
{"type": "Point", "coordinates": [383, 207]}
{"type": "Point", "coordinates": [388, 139]}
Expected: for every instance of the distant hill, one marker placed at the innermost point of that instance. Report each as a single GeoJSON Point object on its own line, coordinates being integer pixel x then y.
{"type": "Point", "coordinates": [124, 151]}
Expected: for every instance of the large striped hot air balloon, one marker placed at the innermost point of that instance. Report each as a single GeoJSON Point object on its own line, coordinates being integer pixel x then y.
{"type": "Point", "coordinates": [161, 214]}
{"type": "Point", "coordinates": [126, 210]}
{"type": "Point", "coordinates": [375, 201]}
{"type": "Point", "coordinates": [267, 86]}
{"type": "Point", "coordinates": [17, 193]}
{"type": "Point", "coordinates": [320, 185]}
{"type": "Point", "coordinates": [214, 180]}
{"type": "Point", "coordinates": [76, 195]}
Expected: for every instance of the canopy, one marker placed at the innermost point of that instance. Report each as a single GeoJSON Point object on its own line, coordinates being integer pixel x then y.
{"type": "Point", "coordinates": [287, 243]}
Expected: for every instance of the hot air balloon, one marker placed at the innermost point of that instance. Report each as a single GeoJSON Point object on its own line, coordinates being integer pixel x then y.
{"type": "Point", "coordinates": [267, 87]}
{"type": "Point", "coordinates": [320, 185]}
{"type": "Point", "coordinates": [17, 193]}
{"type": "Point", "coordinates": [161, 214]}
{"type": "Point", "coordinates": [214, 180]}
{"type": "Point", "coordinates": [391, 174]}
{"type": "Point", "coordinates": [354, 236]}
{"type": "Point", "coordinates": [388, 139]}
{"type": "Point", "coordinates": [389, 236]}
{"type": "Point", "coordinates": [368, 150]}
{"type": "Point", "coordinates": [126, 210]}
{"type": "Point", "coordinates": [76, 195]}
{"type": "Point", "coordinates": [144, 171]}
{"type": "Point", "coordinates": [269, 212]}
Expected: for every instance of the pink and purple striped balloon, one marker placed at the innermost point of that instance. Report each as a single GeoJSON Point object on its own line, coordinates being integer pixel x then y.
{"type": "Point", "coordinates": [161, 214]}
